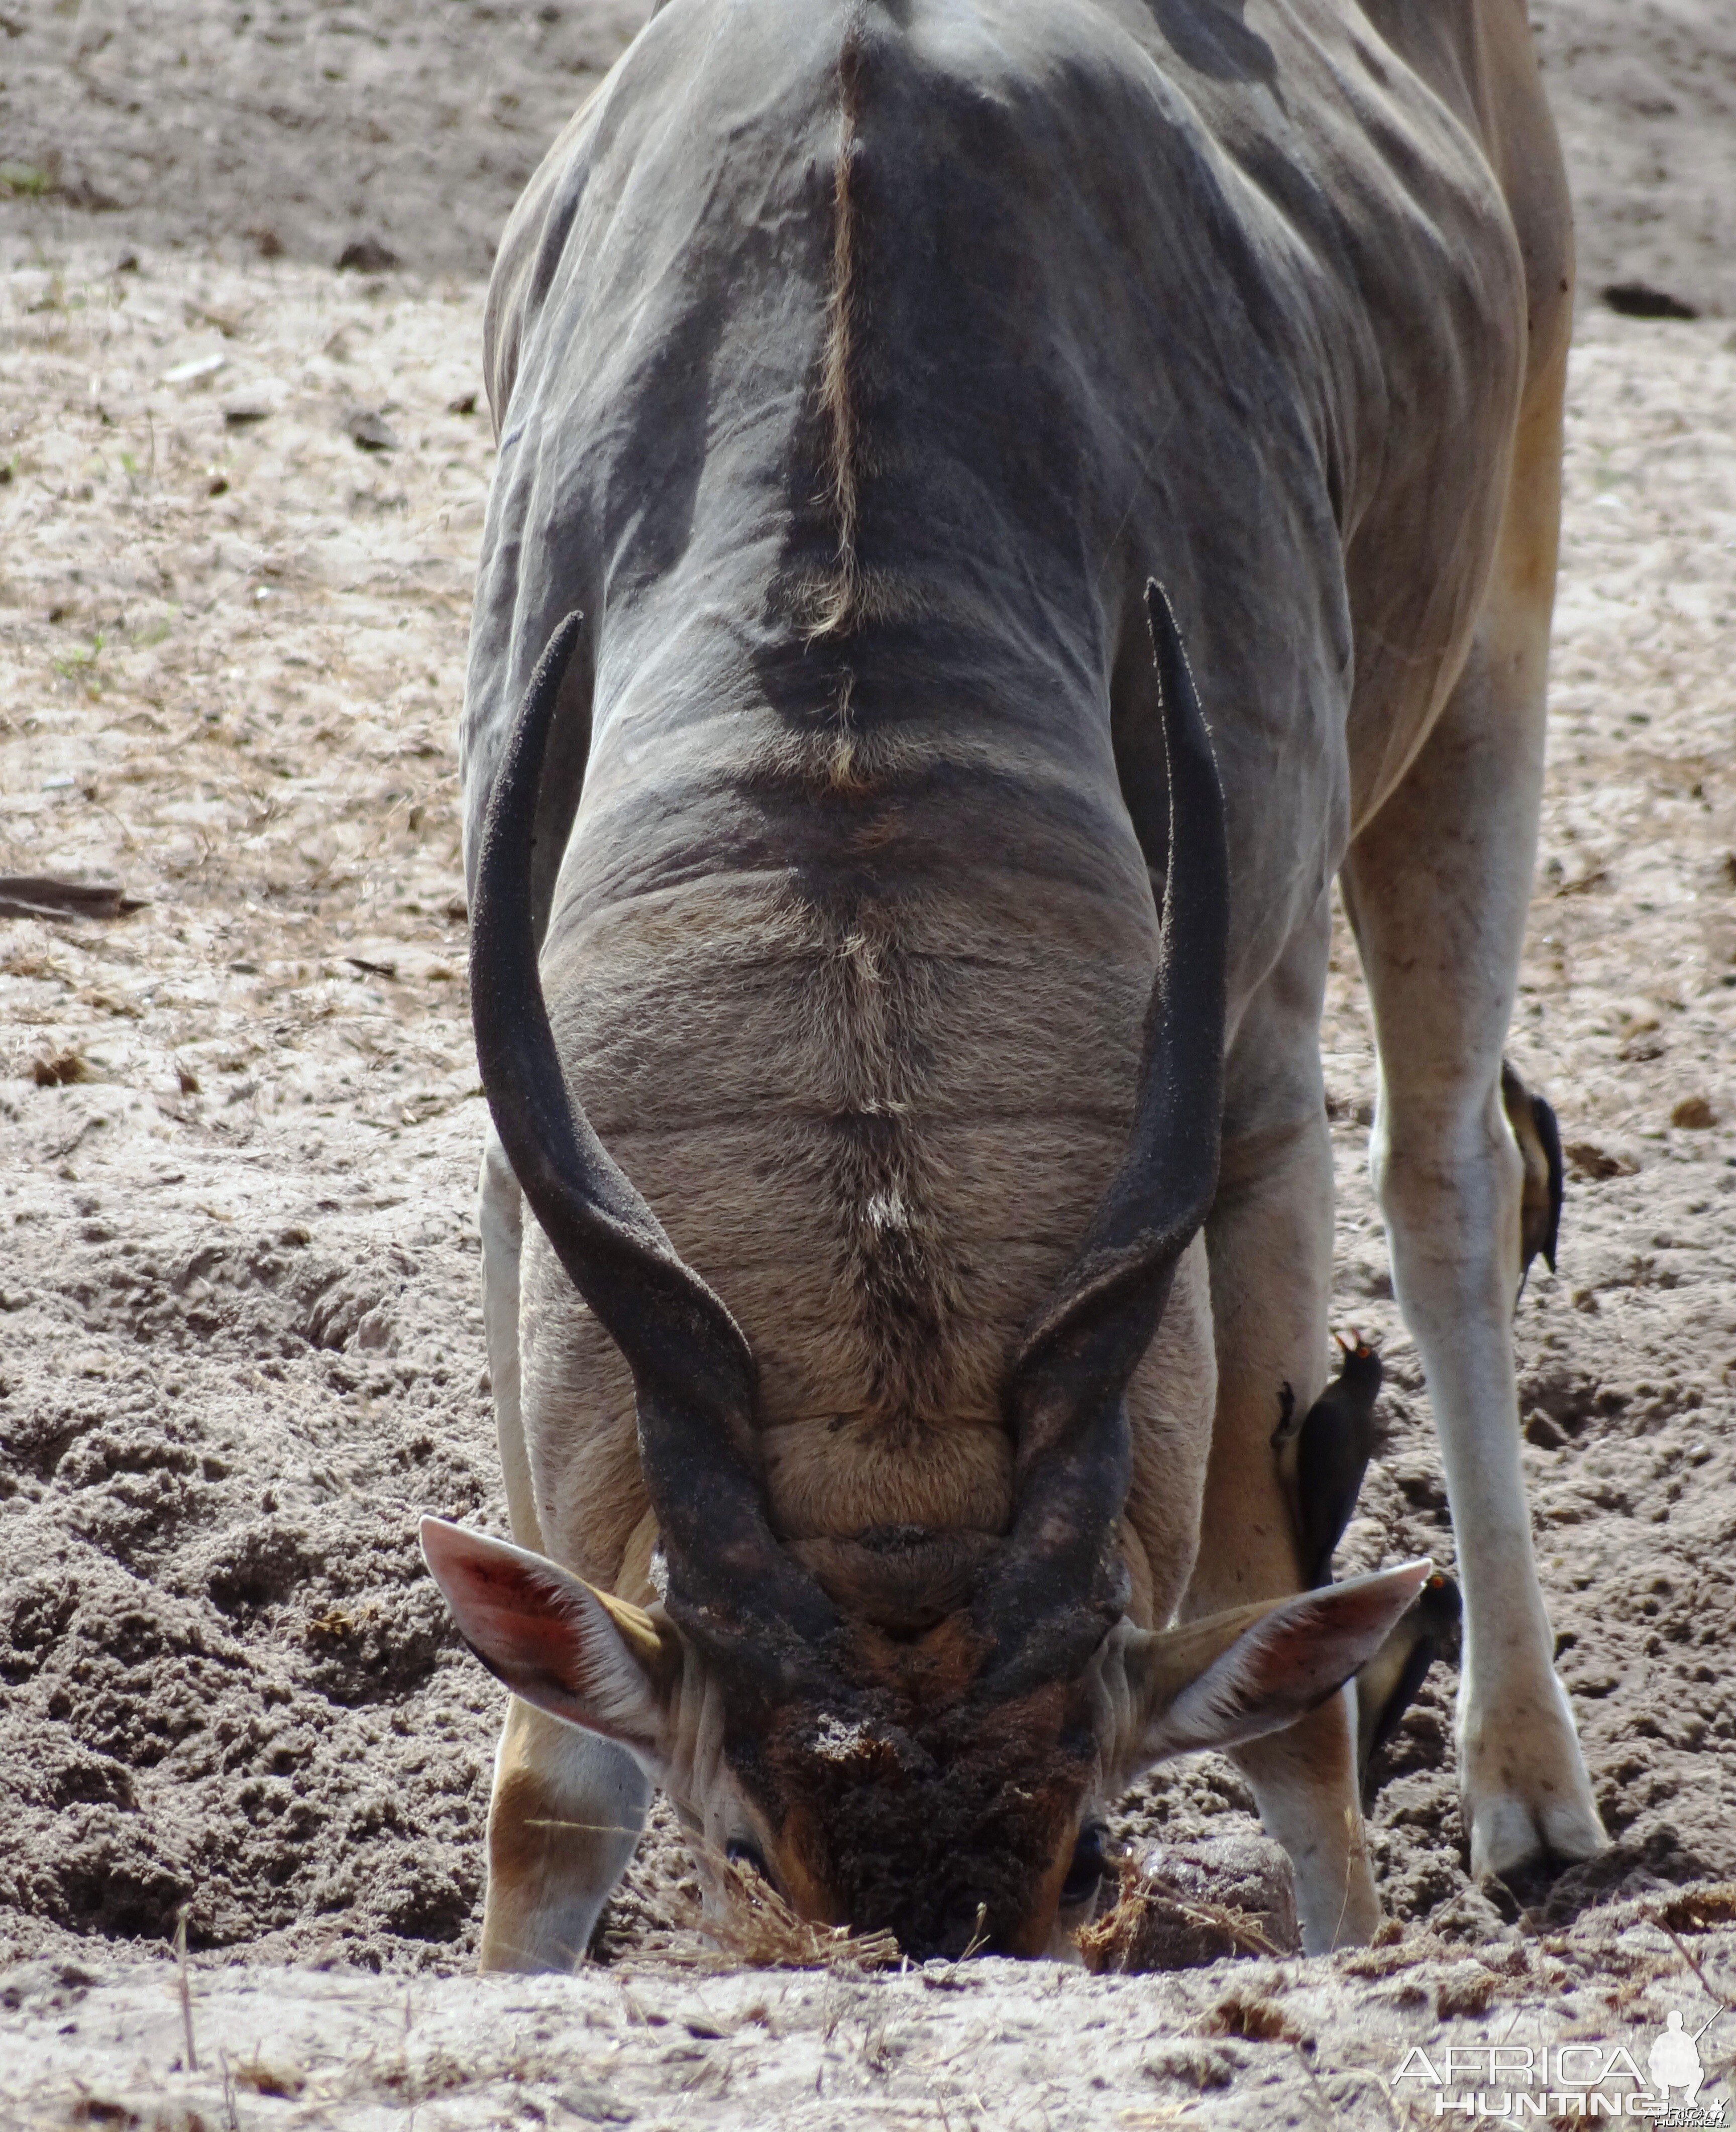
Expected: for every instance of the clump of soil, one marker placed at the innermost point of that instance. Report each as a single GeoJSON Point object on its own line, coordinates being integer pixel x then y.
{"type": "Point", "coordinates": [1182, 1905]}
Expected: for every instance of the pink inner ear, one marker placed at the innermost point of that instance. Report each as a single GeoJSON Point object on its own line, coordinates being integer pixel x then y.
{"type": "Point", "coordinates": [1289, 1660]}
{"type": "Point", "coordinates": [516, 1611]}
{"type": "Point", "coordinates": [1305, 1649]}
{"type": "Point", "coordinates": [1300, 1659]}
{"type": "Point", "coordinates": [544, 1633]}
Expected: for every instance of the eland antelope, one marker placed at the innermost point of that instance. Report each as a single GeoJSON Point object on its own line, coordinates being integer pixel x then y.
{"type": "Point", "coordinates": [898, 962]}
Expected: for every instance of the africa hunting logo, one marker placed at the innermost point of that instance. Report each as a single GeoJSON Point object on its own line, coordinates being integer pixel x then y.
{"type": "Point", "coordinates": [1570, 2080]}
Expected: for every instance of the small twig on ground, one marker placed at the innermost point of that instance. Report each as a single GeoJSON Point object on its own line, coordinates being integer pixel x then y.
{"type": "Point", "coordinates": [584, 1827]}
{"type": "Point", "coordinates": [1529, 1920]}
{"type": "Point", "coordinates": [1237, 1924]}
{"type": "Point", "coordinates": [1354, 1830]}
{"type": "Point", "coordinates": [187, 1988]}
{"type": "Point", "coordinates": [59, 1152]}
{"type": "Point", "coordinates": [1693, 1962]}
{"type": "Point", "coordinates": [40, 895]}
{"type": "Point", "coordinates": [1387, 2097]}
{"type": "Point", "coordinates": [1318, 2094]}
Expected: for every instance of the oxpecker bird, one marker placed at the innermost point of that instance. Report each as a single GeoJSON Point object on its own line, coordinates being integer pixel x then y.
{"type": "Point", "coordinates": [1533, 1122]}
{"type": "Point", "coordinates": [1322, 1458]}
{"type": "Point", "coordinates": [1388, 1684]}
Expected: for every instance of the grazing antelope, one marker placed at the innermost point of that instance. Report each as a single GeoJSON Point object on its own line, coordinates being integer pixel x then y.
{"type": "Point", "coordinates": [897, 990]}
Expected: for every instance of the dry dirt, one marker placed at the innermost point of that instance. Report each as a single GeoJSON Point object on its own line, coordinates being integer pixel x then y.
{"type": "Point", "coordinates": [239, 1340]}
{"type": "Point", "coordinates": [977, 2046]}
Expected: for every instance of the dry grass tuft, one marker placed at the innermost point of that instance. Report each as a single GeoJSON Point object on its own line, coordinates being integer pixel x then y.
{"type": "Point", "coordinates": [1699, 1909]}
{"type": "Point", "coordinates": [1245, 2014]}
{"type": "Point", "coordinates": [1152, 1927]}
{"type": "Point", "coordinates": [27, 962]}
{"type": "Point", "coordinates": [58, 1069]}
{"type": "Point", "coordinates": [750, 1925]}
{"type": "Point", "coordinates": [282, 2082]}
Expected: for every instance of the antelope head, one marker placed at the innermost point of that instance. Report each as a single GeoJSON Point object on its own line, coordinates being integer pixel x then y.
{"type": "Point", "coordinates": [936, 1759]}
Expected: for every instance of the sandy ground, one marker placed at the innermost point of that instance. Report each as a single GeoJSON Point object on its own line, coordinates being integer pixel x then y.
{"type": "Point", "coordinates": [239, 1343]}
{"type": "Point", "coordinates": [978, 2047]}
{"type": "Point", "coordinates": [298, 127]}
{"type": "Point", "coordinates": [307, 126]}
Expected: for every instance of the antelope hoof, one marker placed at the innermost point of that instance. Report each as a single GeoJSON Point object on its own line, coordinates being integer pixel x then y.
{"type": "Point", "coordinates": [1511, 1836]}
{"type": "Point", "coordinates": [1528, 1800]}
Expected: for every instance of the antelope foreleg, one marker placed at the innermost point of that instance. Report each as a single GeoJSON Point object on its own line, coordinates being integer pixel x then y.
{"type": "Point", "coordinates": [1269, 1244]}
{"type": "Point", "coordinates": [1438, 887]}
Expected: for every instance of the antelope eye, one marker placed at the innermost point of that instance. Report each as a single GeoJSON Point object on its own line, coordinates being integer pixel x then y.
{"type": "Point", "coordinates": [739, 1852]}
{"type": "Point", "coordinates": [1090, 1866]}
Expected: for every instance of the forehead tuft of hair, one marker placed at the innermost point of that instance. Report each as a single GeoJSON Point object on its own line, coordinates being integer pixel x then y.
{"type": "Point", "coordinates": [939, 1826]}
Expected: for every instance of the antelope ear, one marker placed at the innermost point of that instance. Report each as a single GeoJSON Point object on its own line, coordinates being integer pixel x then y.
{"type": "Point", "coordinates": [1232, 1677]}
{"type": "Point", "coordinates": [579, 1654]}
